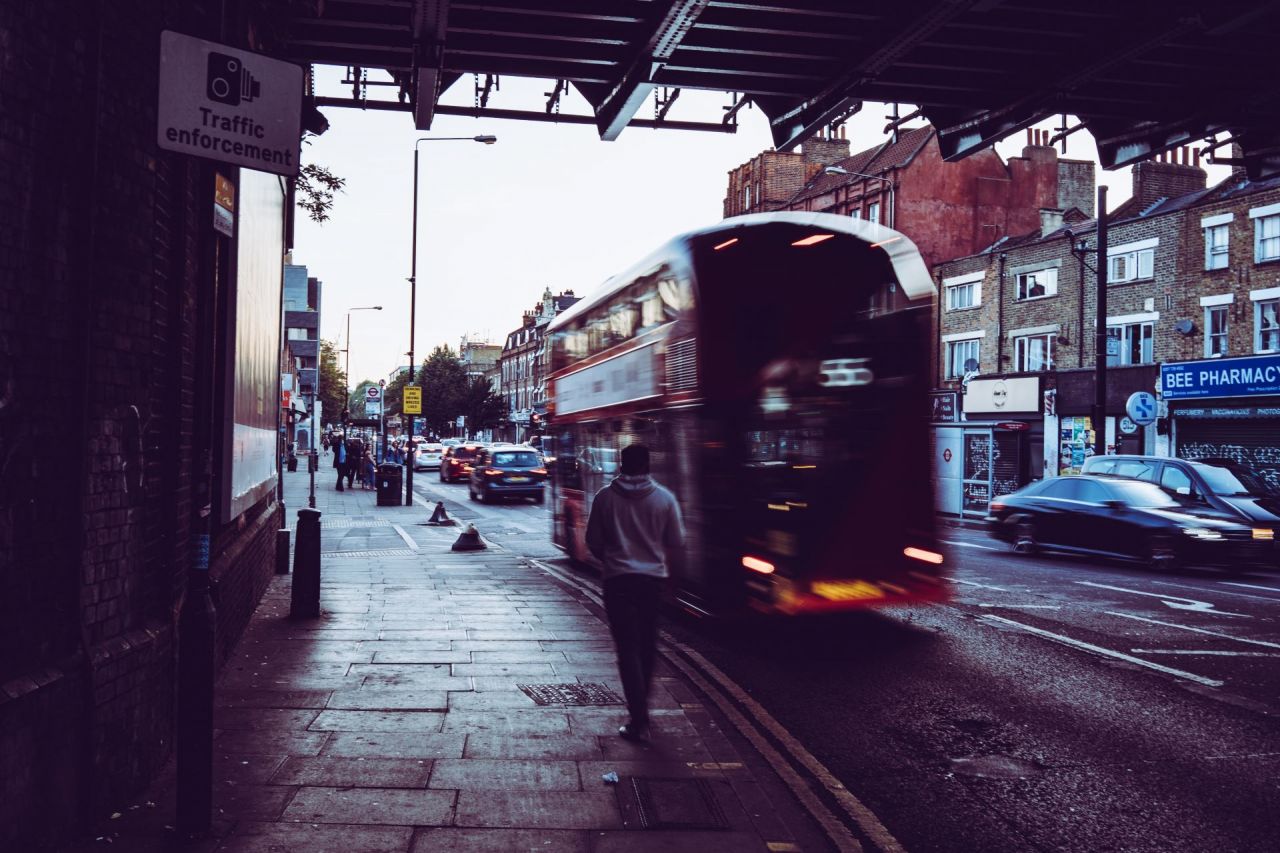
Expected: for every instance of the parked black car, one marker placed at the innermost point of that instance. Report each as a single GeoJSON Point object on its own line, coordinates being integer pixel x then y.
{"type": "Point", "coordinates": [1119, 517]}
{"type": "Point", "coordinates": [1218, 484]}
{"type": "Point", "coordinates": [508, 472]}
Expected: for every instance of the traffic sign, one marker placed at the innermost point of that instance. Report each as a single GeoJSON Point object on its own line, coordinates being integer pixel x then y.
{"type": "Point", "coordinates": [1141, 407]}
{"type": "Point", "coordinates": [373, 392]}
{"type": "Point", "coordinates": [1127, 426]}
{"type": "Point", "coordinates": [412, 400]}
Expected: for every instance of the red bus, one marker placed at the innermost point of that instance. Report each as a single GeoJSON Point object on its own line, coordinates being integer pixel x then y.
{"type": "Point", "coordinates": [777, 366]}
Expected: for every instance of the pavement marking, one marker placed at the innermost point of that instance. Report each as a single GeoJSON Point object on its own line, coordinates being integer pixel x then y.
{"type": "Point", "coordinates": [983, 585]}
{"type": "Point", "coordinates": [1197, 630]}
{"type": "Point", "coordinates": [1216, 591]}
{"type": "Point", "coordinates": [408, 540]}
{"type": "Point", "coordinates": [1188, 603]}
{"type": "Point", "coordinates": [1090, 647]}
{"type": "Point", "coordinates": [1205, 652]}
{"type": "Point", "coordinates": [971, 545]}
{"type": "Point", "coordinates": [1250, 586]}
{"type": "Point", "coordinates": [694, 670]}
{"type": "Point", "coordinates": [1026, 606]}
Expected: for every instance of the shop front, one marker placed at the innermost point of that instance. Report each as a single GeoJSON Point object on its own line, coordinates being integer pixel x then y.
{"type": "Point", "coordinates": [1070, 431]}
{"type": "Point", "coordinates": [1226, 408]}
{"type": "Point", "coordinates": [994, 450]}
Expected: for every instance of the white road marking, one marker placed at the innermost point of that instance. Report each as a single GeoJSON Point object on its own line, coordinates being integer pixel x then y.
{"type": "Point", "coordinates": [1196, 630]}
{"type": "Point", "coordinates": [1090, 647]}
{"type": "Point", "coordinates": [408, 540]}
{"type": "Point", "coordinates": [865, 819]}
{"type": "Point", "coordinates": [1186, 603]}
{"type": "Point", "coordinates": [1250, 586]}
{"type": "Point", "coordinates": [1205, 652]}
{"type": "Point", "coordinates": [1216, 591]}
{"type": "Point", "coordinates": [972, 545]}
{"type": "Point", "coordinates": [983, 585]}
{"type": "Point", "coordinates": [1026, 606]}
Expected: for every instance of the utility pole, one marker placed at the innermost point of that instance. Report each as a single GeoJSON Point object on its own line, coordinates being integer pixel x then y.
{"type": "Point", "coordinates": [1100, 334]}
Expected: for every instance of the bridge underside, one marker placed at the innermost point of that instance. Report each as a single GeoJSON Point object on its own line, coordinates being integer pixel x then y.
{"type": "Point", "coordinates": [1141, 77]}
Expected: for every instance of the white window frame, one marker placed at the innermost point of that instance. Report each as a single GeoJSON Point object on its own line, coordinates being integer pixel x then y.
{"type": "Point", "coordinates": [955, 283]}
{"type": "Point", "coordinates": [873, 212]}
{"type": "Point", "coordinates": [1126, 323]}
{"type": "Point", "coordinates": [1216, 344]}
{"type": "Point", "coordinates": [956, 371]}
{"type": "Point", "coordinates": [1134, 261]}
{"type": "Point", "coordinates": [1050, 283]}
{"type": "Point", "coordinates": [746, 196]}
{"type": "Point", "coordinates": [1263, 300]}
{"type": "Point", "coordinates": [1266, 219]}
{"type": "Point", "coordinates": [856, 213]}
{"type": "Point", "coordinates": [1217, 255]}
{"type": "Point", "coordinates": [1021, 351]}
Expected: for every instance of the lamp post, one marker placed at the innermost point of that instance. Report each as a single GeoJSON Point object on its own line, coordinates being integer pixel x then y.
{"type": "Point", "coordinates": [347, 389]}
{"type": "Point", "coordinates": [838, 170]}
{"type": "Point", "coordinates": [485, 139]}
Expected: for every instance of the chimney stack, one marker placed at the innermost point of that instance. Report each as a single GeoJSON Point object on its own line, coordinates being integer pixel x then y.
{"type": "Point", "coordinates": [1050, 220]}
{"type": "Point", "coordinates": [1168, 175]}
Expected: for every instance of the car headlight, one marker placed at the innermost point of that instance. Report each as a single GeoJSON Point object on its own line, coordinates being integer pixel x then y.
{"type": "Point", "coordinates": [1202, 533]}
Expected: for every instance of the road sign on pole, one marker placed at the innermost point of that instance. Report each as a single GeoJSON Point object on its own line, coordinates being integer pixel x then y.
{"type": "Point", "coordinates": [412, 400]}
{"type": "Point", "coordinates": [1141, 408]}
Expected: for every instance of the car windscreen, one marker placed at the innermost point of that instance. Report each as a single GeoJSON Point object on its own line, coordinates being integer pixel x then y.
{"type": "Point", "coordinates": [464, 452]}
{"type": "Point", "coordinates": [1138, 493]}
{"type": "Point", "coordinates": [1233, 481]}
{"type": "Point", "coordinates": [521, 459]}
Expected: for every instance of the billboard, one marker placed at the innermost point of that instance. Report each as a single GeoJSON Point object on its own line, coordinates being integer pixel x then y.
{"type": "Point", "coordinates": [250, 450]}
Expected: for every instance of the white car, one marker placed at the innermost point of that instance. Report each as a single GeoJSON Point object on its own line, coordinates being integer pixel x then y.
{"type": "Point", "coordinates": [427, 455]}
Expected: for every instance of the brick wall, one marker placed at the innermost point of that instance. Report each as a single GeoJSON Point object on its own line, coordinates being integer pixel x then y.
{"type": "Point", "coordinates": [1153, 180]}
{"type": "Point", "coordinates": [774, 177]}
{"type": "Point", "coordinates": [100, 238]}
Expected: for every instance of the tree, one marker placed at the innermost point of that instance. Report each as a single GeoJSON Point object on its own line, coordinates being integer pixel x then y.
{"type": "Point", "coordinates": [393, 394]}
{"type": "Point", "coordinates": [333, 384]}
{"type": "Point", "coordinates": [444, 382]}
{"type": "Point", "coordinates": [358, 398]}
{"type": "Point", "coordinates": [481, 407]}
{"type": "Point", "coordinates": [315, 188]}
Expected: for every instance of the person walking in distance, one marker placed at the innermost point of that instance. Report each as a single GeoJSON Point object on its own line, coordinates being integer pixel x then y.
{"type": "Point", "coordinates": [636, 531]}
{"type": "Point", "coordinates": [340, 459]}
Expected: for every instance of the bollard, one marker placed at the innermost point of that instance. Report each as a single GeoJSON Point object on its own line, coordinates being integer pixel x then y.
{"type": "Point", "coordinates": [282, 551]}
{"type": "Point", "coordinates": [305, 595]}
{"type": "Point", "coordinates": [469, 540]}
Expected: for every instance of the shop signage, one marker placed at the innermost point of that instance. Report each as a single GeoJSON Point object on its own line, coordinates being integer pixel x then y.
{"type": "Point", "coordinates": [224, 206]}
{"type": "Point", "coordinates": [1127, 426]}
{"type": "Point", "coordinates": [944, 406]}
{"type": "Point", "coordinates": [1251, 376]}
{"type": "Point", "coordinates": [1013, 425]}
{"type": "Point", "coordinates": [229, 105]}
{"type": "Point", "coordinates": [1141, 407]}
{"type": "Point", "coordinates": [999, 396]}
{"type": "Point", "coordinates": [1232, 412]}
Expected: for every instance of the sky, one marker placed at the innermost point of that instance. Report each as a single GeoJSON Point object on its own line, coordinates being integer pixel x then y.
{"type": "Point", "coordinates": [548, 205]}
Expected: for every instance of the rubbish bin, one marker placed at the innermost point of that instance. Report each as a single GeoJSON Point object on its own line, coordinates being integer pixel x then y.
{"type": "Point", "coordinates": [390, 484]}
{"type": "Point", "coordinates": [293, 462]}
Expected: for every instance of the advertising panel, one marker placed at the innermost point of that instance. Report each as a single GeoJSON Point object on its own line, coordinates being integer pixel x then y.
{"type": "Point", "coordinates": [621, 379]}
{"type": "Point", "coordinates": [254, 375]}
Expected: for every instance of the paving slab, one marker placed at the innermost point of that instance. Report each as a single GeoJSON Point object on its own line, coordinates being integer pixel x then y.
{"type": "Point", "coordinates": [354, 772]}
{"type": "Point", "coordinates": [388, 699]}
{"type": "Point", "coordinates": [378, 721]}
{"type": "Point", "coordinates": [393, 806]}
{"type": "Point", "coordinates": [457, 840]}
{"type": "Point", "coordinates": [538, 810]}
{"type": "Point", "coordinates": [317, 838]}
{"type": "Point", "coordinates": [505, 775]}
{"type": "Point", "coordinates": [394, 745]}
{"type": "Point", "coordinates": [547, 747]}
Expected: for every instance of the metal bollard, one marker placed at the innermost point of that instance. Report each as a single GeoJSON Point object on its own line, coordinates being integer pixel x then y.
{"type": "Point", "coordinates": [282, 551]}
{"type": "Point", "coordinates": [305, 594]}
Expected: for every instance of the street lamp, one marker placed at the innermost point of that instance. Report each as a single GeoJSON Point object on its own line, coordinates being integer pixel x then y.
{"type": "Point", "coordinates": [347, 399]}
{"type": "Point", "coordinates": [838, 170]}
{"type": "Point", "coordinates": [485, 139]}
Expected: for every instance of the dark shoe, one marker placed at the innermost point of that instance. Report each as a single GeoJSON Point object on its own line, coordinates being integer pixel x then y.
{"type": "Point", "coordinates": [634, 733]}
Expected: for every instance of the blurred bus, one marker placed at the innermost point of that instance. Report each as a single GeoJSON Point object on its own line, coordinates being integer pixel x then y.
{"type": "Point", "coordinates": [777, 366]}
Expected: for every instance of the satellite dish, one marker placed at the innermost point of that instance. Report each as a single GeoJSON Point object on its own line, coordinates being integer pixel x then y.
{"type": "Point", "coordinates": [970, 365]}
{"type": "Point", "coordinates": [1184, 327]}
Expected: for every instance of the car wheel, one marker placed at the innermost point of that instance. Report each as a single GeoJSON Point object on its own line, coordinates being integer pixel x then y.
{"type": "Point", "coordinates": [485, 496]}
{"type": "Point", "coordinates": [540, 498]}
{"type": "Point", "coordinates": [1024, 537]}
{"type": "Point", "coordinates": [1161, 554]}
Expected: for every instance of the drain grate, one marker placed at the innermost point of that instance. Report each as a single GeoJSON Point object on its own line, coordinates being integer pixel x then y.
{"type": "Point", "coordinates": [570, 694]}
{"type": "Point", "coordinates": [678, 804]}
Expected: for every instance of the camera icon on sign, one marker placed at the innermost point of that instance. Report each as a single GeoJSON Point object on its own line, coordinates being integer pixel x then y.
{"type": "Point", "coordinates": [229, 82]}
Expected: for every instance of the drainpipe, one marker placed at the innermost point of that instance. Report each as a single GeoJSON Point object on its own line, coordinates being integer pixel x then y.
{"type": "Point", "coordinates": [1000, 316]}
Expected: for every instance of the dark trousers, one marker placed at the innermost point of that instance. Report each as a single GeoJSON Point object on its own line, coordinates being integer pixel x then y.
{"type": "Point", "coordinates": [631, 602]}
{"type": "Point", "coordinates": [342, 472]}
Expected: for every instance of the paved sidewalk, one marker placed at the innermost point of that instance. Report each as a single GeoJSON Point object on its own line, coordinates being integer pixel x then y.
{"type": "Point", "coordinates": [397, 720]}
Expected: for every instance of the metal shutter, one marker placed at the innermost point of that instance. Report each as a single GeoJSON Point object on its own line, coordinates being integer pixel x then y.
{"type": "Point", "coordinates": [1254, 442]}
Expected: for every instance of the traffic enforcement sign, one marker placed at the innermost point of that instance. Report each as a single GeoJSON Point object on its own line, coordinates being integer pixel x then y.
{"type": "Point", "coordinates": [412, 400]}
{"type": "Point", "coordinates": [1141, 407]}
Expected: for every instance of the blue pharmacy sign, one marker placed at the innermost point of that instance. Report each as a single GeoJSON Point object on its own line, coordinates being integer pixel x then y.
{"type": "Point", "coordinates": [1252, 376]}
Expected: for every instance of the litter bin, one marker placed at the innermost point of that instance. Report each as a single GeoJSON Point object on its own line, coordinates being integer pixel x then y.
{"type": "Point", "coordinates": [293, 462]}
{"type": "Point", "coordinates": [390, 484]}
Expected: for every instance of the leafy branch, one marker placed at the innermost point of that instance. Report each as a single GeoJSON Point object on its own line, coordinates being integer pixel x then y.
{"type": "Point", "coordinates": [316, 187]}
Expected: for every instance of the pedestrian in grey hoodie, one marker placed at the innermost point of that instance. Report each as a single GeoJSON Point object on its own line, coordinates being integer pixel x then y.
{"type": "Point", "coordinates": [635, 530]}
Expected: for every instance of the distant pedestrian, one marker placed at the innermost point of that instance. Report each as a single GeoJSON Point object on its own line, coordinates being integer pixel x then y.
{"type": "Point", "coordinates": [368, 470]}
{"type": "Point", "coordinates": [355, 452]}
{"type": "Point", "coordinates": [340, 460]}
{"type": "Point", "coordinates": [324, 442]}
{"type": "Point", "coordinates": [636, 532]}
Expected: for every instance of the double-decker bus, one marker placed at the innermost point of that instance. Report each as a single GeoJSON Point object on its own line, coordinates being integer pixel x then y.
{"type": "Point", "coordinates": [777, 366]}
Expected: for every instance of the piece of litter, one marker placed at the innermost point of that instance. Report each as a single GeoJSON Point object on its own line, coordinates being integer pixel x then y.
{"type": "Point", "coordinates": [116, 815]}
{"type": "Point", "coordinates": [610, 778]}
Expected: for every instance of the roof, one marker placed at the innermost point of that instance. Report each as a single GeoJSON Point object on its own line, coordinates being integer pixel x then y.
{"type": "Point", "coordinates": [978, 71]}
{"type": "Point", "coordinates": [873, 161]}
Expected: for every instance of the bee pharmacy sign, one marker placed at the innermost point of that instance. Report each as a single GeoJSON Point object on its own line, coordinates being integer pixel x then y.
{"type": "Point", "coordinates": [229, 105]}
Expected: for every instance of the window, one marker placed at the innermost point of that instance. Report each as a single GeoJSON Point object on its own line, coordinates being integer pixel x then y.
{"type": "Point", "coordinates": [1034, 353]}
{"type": "Point", "coordinates": [746, 197]}
{"type": "Point", "coordinates": [873, 211]}
{"type": "Point", "coordinates": [958, 353]}
{"type": "Point", "coordinates": [1266, 239]}
{"type": "Point", "coordinates": [1215, 247]}
{"type": "Point", "coordinates": [295, 334]}
{"type": "Point", "coordinates": [1175, 480]}
{"type": "Point", "coordinates": [1130, 265]}
{"type": "Point", "coordinates": [1266, 321]}
{"type": "Point", "coordinates": [1137, 469]}
{"type": "Point", "coordinates": [1038, 284]}
{"type": "Point", "coordinates": [964, 295]}
{"type": "Point", "coordinates": [1130, 343]}
{"type": "Point", "coordinates": [856, 213]}
{"type": "Point", "coordinates": [1215, 330]}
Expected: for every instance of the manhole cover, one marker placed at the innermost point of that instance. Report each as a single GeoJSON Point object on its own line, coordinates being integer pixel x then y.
{"type": "Point", "coordinates": [678, 804]}
{"type": "Point", "coordinates": [570, 694]}
{"type": "Point", "coordinates": [995, 767]}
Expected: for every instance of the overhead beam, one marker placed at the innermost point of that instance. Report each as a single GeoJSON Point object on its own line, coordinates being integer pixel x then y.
{"type": "Point", "coordinates": [837, 99]}
{"type": "Point", "coordinates": [637, 81]}
{"type": "Point", "coordinates": [430, 21]}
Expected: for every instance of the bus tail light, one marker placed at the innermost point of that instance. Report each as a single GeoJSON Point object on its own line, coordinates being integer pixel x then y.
{"type": "Point", "coordinates": [923, 555]}
{"type": "Point", "coordinates": [756, 564]}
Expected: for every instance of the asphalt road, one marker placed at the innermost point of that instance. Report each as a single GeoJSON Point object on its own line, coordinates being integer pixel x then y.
{"type": "Point", "coordinates": [1055, 704]}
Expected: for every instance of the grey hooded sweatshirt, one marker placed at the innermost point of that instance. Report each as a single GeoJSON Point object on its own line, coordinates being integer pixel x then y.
{"type": "Point", "coordinates": [635, 523]}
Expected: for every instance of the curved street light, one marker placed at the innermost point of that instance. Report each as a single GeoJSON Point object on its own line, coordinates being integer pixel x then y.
{"type": "Point", "coordinates": [347, 399]}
